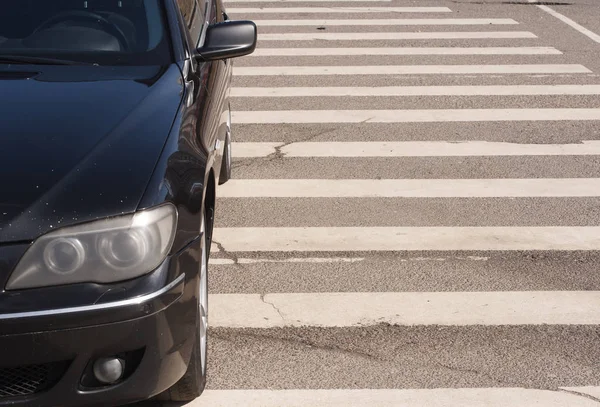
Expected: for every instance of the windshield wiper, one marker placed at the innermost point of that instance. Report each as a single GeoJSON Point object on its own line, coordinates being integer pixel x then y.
{"type": "Point", "coordinates": [25, 59]}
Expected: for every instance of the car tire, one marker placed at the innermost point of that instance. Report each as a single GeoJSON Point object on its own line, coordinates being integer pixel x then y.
{"type": "Point", "coordinates": [193, 382]}
{"type": "Point", "coordinates": [226, 162]}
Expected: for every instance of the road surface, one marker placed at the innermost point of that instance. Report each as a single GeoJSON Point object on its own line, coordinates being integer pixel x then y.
{"type": "Point", "coordinates": [415, 214]}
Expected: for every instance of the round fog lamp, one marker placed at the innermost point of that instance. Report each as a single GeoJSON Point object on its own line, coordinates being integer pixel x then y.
{"type": "Point", "coordinates": [109, 370]}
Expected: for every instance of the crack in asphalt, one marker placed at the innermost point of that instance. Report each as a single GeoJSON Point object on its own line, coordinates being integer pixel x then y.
{"type": "Point", "coordinates": [279, 154]}
{"type": "Point", "coordinates": [300, 341]}
{"type": "Point", "coordinates": [365, 350]}
{"type": "Point", "coordinates": [262, 298]}
{"type": "Point", "coordinates": [226, 254]}
{"type": "Point", "coordinates": [464, 370]}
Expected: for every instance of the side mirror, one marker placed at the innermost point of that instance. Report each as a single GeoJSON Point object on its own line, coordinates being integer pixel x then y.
{"type": "Point", "coordinates": [229, 39]}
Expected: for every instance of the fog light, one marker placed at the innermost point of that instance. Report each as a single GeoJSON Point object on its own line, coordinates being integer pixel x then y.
{"type": "Point", "coordinates": [109, 370]}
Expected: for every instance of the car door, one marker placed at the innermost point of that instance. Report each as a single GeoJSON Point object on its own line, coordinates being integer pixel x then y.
{"type": "Point", "coordinates": [209, 79]}
{"type": "Point", "coordinates": [199, 119]}
{"type": "Point", "coordinates": [224, 68]}
{"type": "Point", "coordinates": [219, 80]}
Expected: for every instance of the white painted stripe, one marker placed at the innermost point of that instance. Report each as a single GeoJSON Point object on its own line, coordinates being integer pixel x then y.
{"type": "Point", "coordinates": [386, 22]}
{"type": "Point", "coordinates": [304, 260]}
{"type": "Point", "coordinates": [414, 149]}
{"type": "Point", "coordinates": [335, 239]}
{"type": "Point", "coordinates": [410, 70]}
{"type": "Point", "coordinates": [405, 308]}
{"type": "Point", "coordinates": [353, 36]}
{"type": "Point", "coordinates": [413, 116]}
{"type": "Point", "coordinates": [242, 150]}
{"type": "Point", "coordinates": [321, 52]}
{"type": "Point", "coordinates": [590, 34]}
{"type": "Point", "coordinates": [437, 259]}
{"type": "Point", "coordinates": [318, 260]}
{"type": "Point", "coordinates": [321, 260]}
{"type": "Point", "coordinates": [411, 188]}
{"type": "Point", "coordinates": [329, 10]}
{"type": "Point", "coordinates": [221, 261]}
{"type": "Point", "coordinates": [491, 90]}
{"type": "Point", "coordinates": [307, 1]}
{"type": "Point", "coordinates": [477, 397]}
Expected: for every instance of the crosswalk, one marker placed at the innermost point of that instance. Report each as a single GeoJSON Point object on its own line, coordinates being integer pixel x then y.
{"type": "Point", "coordinates": [414, 215]}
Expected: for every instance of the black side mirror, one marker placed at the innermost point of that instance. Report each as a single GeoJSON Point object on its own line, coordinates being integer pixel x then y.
{"type": "Point", "coordinates": [229, 39]}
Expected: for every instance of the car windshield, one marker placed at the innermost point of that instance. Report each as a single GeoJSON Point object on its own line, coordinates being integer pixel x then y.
{"type": "Point", "coordinates": [104, 32]}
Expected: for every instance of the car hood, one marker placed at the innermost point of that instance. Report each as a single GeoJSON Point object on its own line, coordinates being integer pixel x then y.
{"type": "Point", "coordinates": [79, 143]}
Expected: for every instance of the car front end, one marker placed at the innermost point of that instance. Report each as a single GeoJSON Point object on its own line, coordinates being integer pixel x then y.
{"type": "Point", "coordinates": [112, 136]}
{"type": "Point", "coordinates": [96, 344]}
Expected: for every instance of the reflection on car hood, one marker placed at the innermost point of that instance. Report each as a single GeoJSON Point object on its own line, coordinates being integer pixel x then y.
{"type": "Point", "coordinates": [79, 143]}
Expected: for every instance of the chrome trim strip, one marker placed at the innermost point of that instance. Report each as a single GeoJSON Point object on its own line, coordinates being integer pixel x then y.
{"type": "Point", "coordinates": [96, 307]}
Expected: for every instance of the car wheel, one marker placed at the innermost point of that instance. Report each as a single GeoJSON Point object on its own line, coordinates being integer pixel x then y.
{"type": "Point", "coordinates": [192, 384]}
{"type": "Point", "coordinates": [226, 163]}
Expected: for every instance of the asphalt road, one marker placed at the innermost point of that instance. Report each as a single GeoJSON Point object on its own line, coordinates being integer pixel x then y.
{"type": "Point", "coordinates": [533, 251]}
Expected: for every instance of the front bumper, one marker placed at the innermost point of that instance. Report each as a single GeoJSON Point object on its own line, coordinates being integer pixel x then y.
{"type": "Point", "coordinates": [156, 331]}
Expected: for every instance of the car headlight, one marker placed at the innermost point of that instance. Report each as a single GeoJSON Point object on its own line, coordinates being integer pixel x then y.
{"type": "Point", "coordinates": [104, 251]}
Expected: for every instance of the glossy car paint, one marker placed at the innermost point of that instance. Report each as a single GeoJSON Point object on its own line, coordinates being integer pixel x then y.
{"type": "Point", "coordinates": [80, 143]}
{"type": "Point", "coordinates": [83, 143]}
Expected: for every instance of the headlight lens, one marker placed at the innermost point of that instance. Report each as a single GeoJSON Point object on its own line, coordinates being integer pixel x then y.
{"type": "Point", "coordinates": [124, 250]}
{"type": "Point", "coordinates": [64, 255]}
{"type": "Point", "coordinates": [104, 251]}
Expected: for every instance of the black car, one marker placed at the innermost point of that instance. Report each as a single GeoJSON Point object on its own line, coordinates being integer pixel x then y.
{"type": "Point", "coordinates": [114, 135]}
